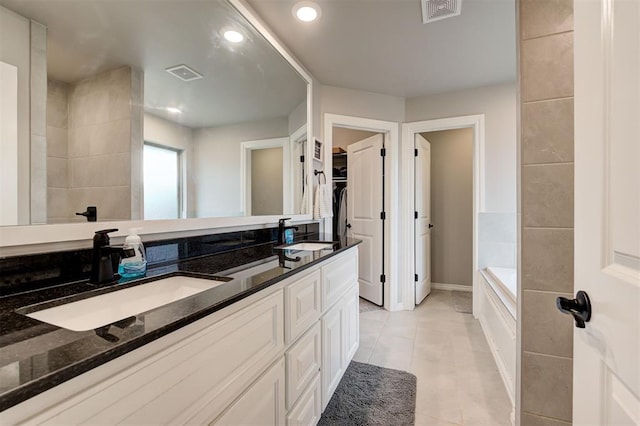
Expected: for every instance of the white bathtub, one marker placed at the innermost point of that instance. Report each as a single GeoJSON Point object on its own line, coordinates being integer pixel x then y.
{"type": "Point", "coordinates": [497, 314]}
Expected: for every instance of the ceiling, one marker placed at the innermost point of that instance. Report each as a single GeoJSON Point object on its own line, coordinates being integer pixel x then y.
{"type": "Point", "coordinates": [382, 46]}
{"type": "Point", "coordinates": [244, 82]}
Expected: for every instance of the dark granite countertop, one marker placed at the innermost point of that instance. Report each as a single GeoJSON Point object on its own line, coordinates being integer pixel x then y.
{"type": "Point", "coordinates": [36, 356]}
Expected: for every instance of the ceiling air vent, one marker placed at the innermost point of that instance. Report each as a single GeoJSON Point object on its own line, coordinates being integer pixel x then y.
{"type": "Point", "coordinates": [434, 10]}
{"type": "Point", "coordinates": [184, 73]}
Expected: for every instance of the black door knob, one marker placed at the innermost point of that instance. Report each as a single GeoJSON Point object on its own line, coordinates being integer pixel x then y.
{"type": "Point", "coordinates": [430, 225]}
{"type": "Point", "coordinates": [579, 308]}
{"type": "Point", "coordinates": [349, 225]}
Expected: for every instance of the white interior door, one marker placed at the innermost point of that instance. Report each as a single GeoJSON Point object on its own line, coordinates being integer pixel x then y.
{"type": "Point", "coordinates": [364, 189]}
{"type": "Point", "coordinates": [422, 200]}
{"type": "Point", "coordinates": [606, 384]}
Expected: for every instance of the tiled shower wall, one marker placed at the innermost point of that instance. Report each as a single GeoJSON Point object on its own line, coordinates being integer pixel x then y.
{"type": "Point", "coordinates": [100, 144]}
{"type": "Point", "coordinates": [57, 157]}
{"type": "Point", "coordinates": [546, 206]}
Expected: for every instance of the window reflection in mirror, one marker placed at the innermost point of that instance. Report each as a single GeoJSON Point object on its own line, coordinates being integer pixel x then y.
{"type": "Point", "coordinates": [162, 182]}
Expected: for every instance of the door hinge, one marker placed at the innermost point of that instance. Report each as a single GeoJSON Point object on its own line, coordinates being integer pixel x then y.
{"type": "Point", "coordinates": [383, 215]}
{"type": "Point", "coordinates": [302, 158]}
{"type": "Point", "coordinates": [383, 152]}
{"type": "Point", "coordinates": [415, 277]}
{"type": "Point", "coordinates": [415, 215]}
{"type": "Point", "coordinates": [415, 152]}
{"type": "Point", "coordinates": [383, 278]}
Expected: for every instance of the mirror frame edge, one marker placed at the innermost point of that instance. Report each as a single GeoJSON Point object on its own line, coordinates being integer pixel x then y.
{"type": "Point", "coordinates": [60, 236]}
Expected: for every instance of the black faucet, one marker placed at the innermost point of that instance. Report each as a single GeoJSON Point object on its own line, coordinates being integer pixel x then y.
{"type": "Point", "coordinates": [282, 228]}
{"type": "Point", "coordinates": [102, 262]}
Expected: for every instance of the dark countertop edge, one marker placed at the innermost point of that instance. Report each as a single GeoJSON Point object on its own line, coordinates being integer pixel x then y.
{"type": "Point", "coordinates": [41, 384]}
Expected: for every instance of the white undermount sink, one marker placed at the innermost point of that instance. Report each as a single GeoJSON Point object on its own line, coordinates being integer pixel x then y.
{"type": "Point", "coordinates": [97, 311]}
{"type": "Point", "coordinates": [308, 246]}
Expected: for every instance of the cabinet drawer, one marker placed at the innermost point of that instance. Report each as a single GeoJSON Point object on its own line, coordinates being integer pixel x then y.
{"type": "Point", "coordinates": [261, 404]}
{"type": "Point", "coordinates": [337, 276]}
{"type": "Point", "coordinates": [303, 363]}
{"type": "Point", "coordinates": [307, 410]}
{"type": "Point", "coordinates": [302, 305]}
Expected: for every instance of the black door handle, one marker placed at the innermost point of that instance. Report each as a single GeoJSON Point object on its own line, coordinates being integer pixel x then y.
{"type": "Point", "coordinates": [349, 225]}
{"type": "Point", "coordinates": [579, 308]}
{"type": "Point", "coordinates": [430, 225]}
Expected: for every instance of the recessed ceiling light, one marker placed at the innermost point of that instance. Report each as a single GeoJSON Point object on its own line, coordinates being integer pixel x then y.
{"type": "Point", "coordinates": [233, 36]}
{"type": "Point", "coordinates": [306, 11]}
{"type": "Point", "coordinates": [174, 110]}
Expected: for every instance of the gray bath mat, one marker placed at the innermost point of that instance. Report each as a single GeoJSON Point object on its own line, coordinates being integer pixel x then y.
{"type": "Point", "coordinates": [366, 306]}
{"type": "Point", "coordinates": [372, 395]}
{"type": "Point", "coordinates": [462, 301]}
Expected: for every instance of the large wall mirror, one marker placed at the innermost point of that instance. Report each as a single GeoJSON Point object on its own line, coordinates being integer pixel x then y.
{"type": "Point", "coordinates": [147, 110]}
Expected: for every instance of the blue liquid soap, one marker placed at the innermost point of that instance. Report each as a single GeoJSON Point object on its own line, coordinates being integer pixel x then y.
{"type": "Point", "coordinates": [135, 266]}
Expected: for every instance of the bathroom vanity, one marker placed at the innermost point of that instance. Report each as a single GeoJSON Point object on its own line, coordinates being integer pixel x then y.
{"type": "Point", "coordinates": [269, 346]}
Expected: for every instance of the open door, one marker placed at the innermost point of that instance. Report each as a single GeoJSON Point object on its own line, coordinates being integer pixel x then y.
{"type": "Point", "coordinates": [606, 372]}
{"type": "Point", "coordinates": [364, 213]}
{"type": "Point", "coordinates": [422, 202]}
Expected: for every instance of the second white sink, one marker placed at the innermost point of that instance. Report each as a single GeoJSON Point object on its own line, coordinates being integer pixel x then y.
{"type": "Point", "coordinates": [97, 311]}
{"type": "Point", "coordinates": [308, 246]}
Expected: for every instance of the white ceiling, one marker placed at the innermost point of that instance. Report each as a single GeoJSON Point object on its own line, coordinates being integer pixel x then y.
{"type": "Point", "coordinates": [242, 83]}
{"type": "Point", "coordinates": [382, 46]}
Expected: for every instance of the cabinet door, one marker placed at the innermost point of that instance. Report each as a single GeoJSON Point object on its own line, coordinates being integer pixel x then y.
{"type": "Point", "coordinates": [307, 410]}
{"type": "Point", "coordinates": [303, 364]}
{"type": "Point", "coordinates": [333, 343]}
{"type": "Point", "coordinates": [351, 323]}
{"type": "Point", "coordinates": [262, 403]}
{"type": "Point", "coordinates": [302, 305]}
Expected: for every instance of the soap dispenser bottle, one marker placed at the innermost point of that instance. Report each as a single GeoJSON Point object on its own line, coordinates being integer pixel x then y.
{"type": "Point", "coordinates": [136, 265]}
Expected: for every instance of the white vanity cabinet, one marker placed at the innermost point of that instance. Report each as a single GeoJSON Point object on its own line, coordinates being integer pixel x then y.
{"type": "Point", "coordinates": [274, 357]}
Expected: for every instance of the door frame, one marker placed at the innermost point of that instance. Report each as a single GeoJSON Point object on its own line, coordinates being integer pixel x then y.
{"type": "Point", "coordinates": [392, 288]}
{"type": "Point", "coordinates": [407, 222]}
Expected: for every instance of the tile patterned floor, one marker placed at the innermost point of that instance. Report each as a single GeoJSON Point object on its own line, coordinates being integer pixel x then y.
{"type": "Point", "coordinates": [458, 382]}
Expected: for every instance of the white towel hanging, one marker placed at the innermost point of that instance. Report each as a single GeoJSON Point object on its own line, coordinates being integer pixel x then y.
{"type": "Point", "coordinates": [322, 205]}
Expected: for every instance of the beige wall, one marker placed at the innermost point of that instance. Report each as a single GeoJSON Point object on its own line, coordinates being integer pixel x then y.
{"type": "Point", "coordinates": [266, 181]}
{"type": "Point", "coordinates": [57, 154]}
{"type": "Point", "coordinates": [100, 121]}
{"type": "Point", "coordinates": [337, 100]}
{"type": "Point", "coordinates": [451, 206]}
{"type": "Point", "coordinates": [498, 104]}
{"type": "Point", "coordinates": [217, 164]}
{"type": "Point", "coordinates": [546, 209]}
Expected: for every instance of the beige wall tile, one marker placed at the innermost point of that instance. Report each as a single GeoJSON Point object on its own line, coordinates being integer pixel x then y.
{"type": "Point", "coordinates": [110, 138]}
{"type": "Point", "coordinates": [38, 86]}
{"type": "Point", "coordinates": [533, 420]}
{"type": "Point", "coordinates": [57, 173]}
{"type": "Point", "coordinates": [548, 330]}
{"type": "Point", "coordinates": [100, 171]}
{"type": "Point", "coordinates": [57, 104]}
{"type": "Point", "coordinates": [79, 142]}
{"type": "Point", "coordinates": [119, 83]}
{"type": "Point", "coordinates": [543, 17]}
{"type": "Point", "coordinates": [547, 385]}
{"type": "Point", "coordinates": [547, 195]}
{"type": "Point", "coordinates": [57, 199]}
{"type": "Point", "coordinates": [57, 142]}
{"type": "Point", "coordinates": [78, 110]}
{"type": "Point", "coordinates": [547, 131]}
{"type": "Point", "coordinates": [112, 203]}
{"type": "Point", "coordinates": [38, 179]}
{"type": "Point", "coordinates": [547, 260]}
{"type": "Point", "coordinates": [547, 67]}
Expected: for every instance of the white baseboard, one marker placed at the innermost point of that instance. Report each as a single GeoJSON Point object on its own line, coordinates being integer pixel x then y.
{"type": "Point", "coordinates": [451, 287]}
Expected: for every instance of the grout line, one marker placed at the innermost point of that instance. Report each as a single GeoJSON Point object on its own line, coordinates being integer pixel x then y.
{"type": "Point", "coordinates": [565, 228]}
{"type": "Point", "coordinates": [548, 355]}
{"type": "Point", "coordinates": [561, 163]}
{"type": "Point", "coordinates": [537, 101]}
{"type": "Point", "coordinates": [547, 35]}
